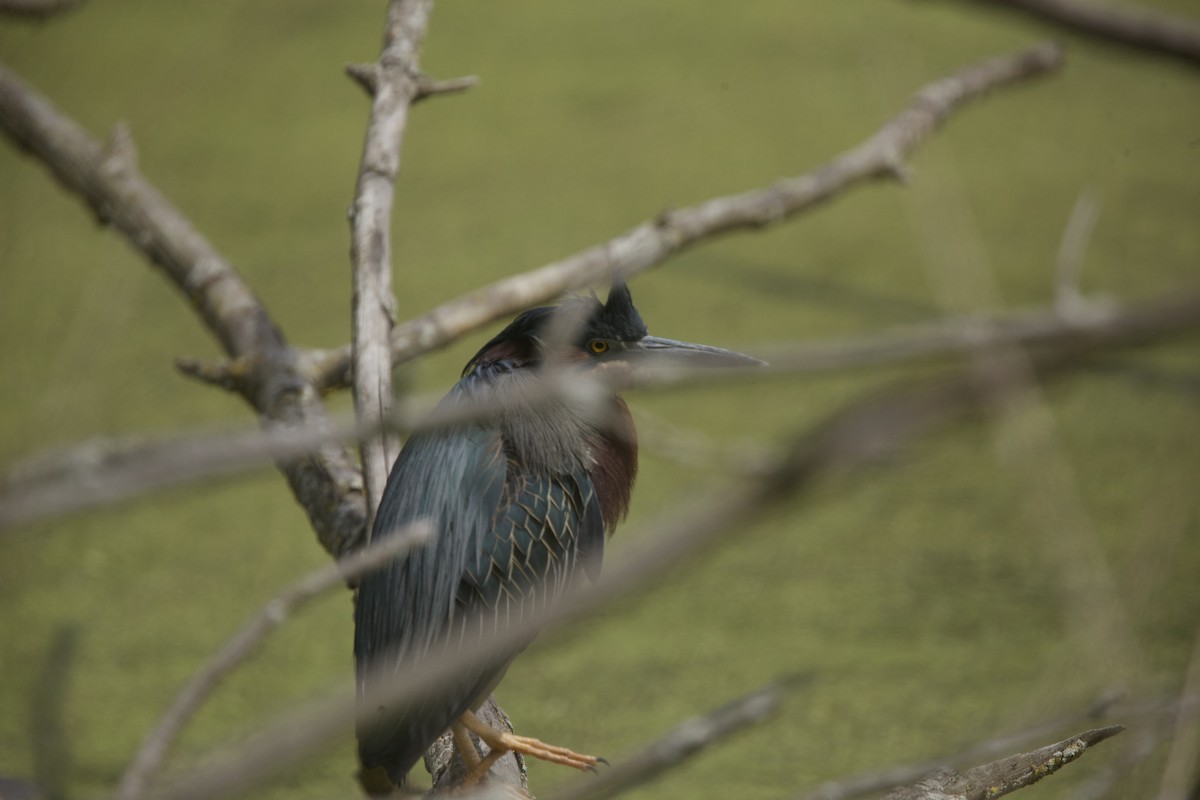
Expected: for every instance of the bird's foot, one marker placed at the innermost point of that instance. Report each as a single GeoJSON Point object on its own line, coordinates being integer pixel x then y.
{"type": "Point", "coordinates": [501, 742]}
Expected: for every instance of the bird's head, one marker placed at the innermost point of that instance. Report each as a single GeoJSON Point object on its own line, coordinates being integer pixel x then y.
{"type": "Point", "coordinates": [584, 330]}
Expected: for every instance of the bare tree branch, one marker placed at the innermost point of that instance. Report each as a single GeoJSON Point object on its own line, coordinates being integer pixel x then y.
{"type": "Point", "coordinates": [879, 780]}
{"type": "Point", "coordinates": [1069, 301]}
{"type": "Point", "coordinates": [325, 482]}
{"type": "Point", "coordinates": [1006, 775]}
{"type": "Point", "coordinates": [1180, 769]}
{"type": "Point", "coordinates": [367, 76]}
{"type": "Point", "coordinates": [37, 9]}
{"type": "Point", "coordinates": [395, 87]}
{"type": "Point", "coordinates": [678, 746]}
{"type": "Point", "coordinates": [103, 472]}
{"type": "Point", "coordinates": [1146, 29]}
{"type": "Point", "coordinates": [652, 242]}
{"type": "Point", "coordinates": [154, 749]}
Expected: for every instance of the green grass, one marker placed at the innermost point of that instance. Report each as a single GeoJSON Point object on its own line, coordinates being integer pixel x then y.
{"type": "Point", "coordinates": [924, 598]}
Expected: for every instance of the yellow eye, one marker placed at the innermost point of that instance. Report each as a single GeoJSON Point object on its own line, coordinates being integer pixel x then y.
{"type": "Point", "coordinates": [598, 346]}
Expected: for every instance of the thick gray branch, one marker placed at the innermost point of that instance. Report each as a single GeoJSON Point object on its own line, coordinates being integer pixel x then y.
{"type": "Point", "coordinates": [394, 89]}
{"type": "Point", "coordinates": [326, 482]}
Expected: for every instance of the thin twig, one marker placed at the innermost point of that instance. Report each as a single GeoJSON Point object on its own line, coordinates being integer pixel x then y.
{"type": "Point", "coordinates": [1153, 723]}
{"type": "Point", "coordinates": [857, 436]}
{"type": "Point", "coordinates": [395, 88]}
{"type": "Point", "coordinates": [367, 76]}
{"type": "Point", "coordinates": [1146, 29]}
{"type": "Point", "coordinates": [678, 746]}
{"type": "Point", "coordinates": [153, 751]}
{"type": "Point", "coordinates": [432, 87]}
{"type": "Point", "coordinates": [652, 242]}
{"type": "Point", "coordinates": [1006, 775]}
{"type": "Point", "coordinates": [1069, 301]}
{"type": "Point", "coordinates": [1180, 769]}
{"type": "Point", "coordinates": [325, 482]}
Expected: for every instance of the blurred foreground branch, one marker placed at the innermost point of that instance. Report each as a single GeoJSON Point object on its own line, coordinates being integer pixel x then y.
{"type": "Point", "coordinates": [101, 473]}
{"type": "Point", "coordinates": [156, 745]}
{"type": "Point", "coordinates": [1146, 29]}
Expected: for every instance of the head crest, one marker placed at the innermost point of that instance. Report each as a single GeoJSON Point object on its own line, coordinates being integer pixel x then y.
{"type": "Point", "coordinates": [615, 319]}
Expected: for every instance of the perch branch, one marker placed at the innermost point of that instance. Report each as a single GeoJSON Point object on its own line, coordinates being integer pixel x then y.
{"type": "Point", "coordinates": [652, 242]}
{"type": "Point", "coordinates": [1006, 775]}
{"type": "Point", "coordinates": [859, 435]}
{"type": "Point", "coordinates": [326, 482]}
{"type": "Point", "coordinates": [154, 749]}
{"type": "Point", "coordinates": [1142, 28]}
{"type": "Point", "coordinates": [395, 88]}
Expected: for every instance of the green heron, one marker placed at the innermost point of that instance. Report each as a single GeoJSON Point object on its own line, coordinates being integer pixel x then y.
{"type": "Point", "coordinates": [520, 504]}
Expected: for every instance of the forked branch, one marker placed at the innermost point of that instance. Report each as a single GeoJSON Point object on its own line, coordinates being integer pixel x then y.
{"type": "Point", "coordinates": [654, 241]}
{"type": "Point", "coordinates": [395, 87]}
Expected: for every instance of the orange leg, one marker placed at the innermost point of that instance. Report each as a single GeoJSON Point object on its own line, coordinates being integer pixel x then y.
{"type": "Point", "coordinates": [500, 742]}
{"type": "Point", "coordinates": [465, 746]}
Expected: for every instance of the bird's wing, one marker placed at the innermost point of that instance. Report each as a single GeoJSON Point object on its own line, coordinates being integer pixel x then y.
{"type": "Point", "coordinates": [455, 480]}
{"type": "Point", "coordinates": [549, 529]}
{"type": "Point", "coordinates": [506, 543]}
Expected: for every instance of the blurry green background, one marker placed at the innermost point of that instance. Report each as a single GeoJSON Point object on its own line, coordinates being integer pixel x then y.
{"type": "Point", "coordinates": [930, 601]}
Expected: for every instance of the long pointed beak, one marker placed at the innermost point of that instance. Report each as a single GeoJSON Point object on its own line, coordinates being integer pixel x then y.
{"type": "Point", "coordinates": [686, 354]}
